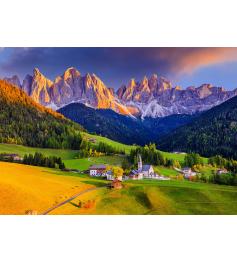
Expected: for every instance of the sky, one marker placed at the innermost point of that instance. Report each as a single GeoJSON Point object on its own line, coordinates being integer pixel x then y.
{"type": "Point", "coordinates": [116, 66]}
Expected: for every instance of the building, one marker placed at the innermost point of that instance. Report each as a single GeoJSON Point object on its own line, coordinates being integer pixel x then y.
{"type": "Point", "coordinates": [187, 172]}
{"type": "Point", "coordinates": [148, 171]}
{"type": "Point", "coordinates": [110, 176]}
{"type": "Point", "coordinates": [97, 170]}
{"type": "Point", "coordinates": [221, 171]}
{"type": "Point", "coordinates": [12, 157]}
{"type": "Point", "coordinates": [135, 174]}
{"type": "Point", "coordinates": [143, 171]}
{"type": "Point", "coordinates": [117, 184]}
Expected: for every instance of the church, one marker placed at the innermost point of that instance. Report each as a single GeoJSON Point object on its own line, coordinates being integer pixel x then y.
{"type": "Point", "coordinates": [142, 171]}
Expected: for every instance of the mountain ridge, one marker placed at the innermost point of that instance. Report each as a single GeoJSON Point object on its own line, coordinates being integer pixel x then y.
{"type": "Point", "coordinates": [213, 132]}
{"type": "Point", "coordinates": [151, 97]}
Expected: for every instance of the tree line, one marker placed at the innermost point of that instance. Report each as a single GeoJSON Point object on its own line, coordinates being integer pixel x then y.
{"type": "Point", "coordinates": [87, 149]}
{"type": "Point", "coordinates": [38, 159]}
{"type": "Point", "coordinates": [219, 161]}
{"type": "Point", "coordinates": [151, 155]}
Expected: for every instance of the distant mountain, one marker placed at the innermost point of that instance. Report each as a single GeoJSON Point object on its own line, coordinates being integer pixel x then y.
{"type": "Point", "coordinates": [70, 87]}
{"type": "Point", "coordinates": [152, 97]}
{"type": "Point", "coordinates": [23, 121]}
{"type": "Point", "coordinates": [213, 132]}
{"type": "Point", "coordinates": [155, 97]}
{"type": "Point", "coordinates": [123, 128]}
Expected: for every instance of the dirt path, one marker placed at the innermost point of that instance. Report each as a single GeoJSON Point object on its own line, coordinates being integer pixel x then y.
{"type": "Point", "coordinates": [71, 198]}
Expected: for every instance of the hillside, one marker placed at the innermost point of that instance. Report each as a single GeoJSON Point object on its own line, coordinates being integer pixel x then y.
{"type": "Point", "coordinates": [212, 133]}
{"type": "Point", "coordinates": [109, 124]}
{"type": "Point", "coordinates": [23, 121]}
{"type": "Point", "coordinates": [35, 188]}
{"type": "Point", "coordinates": [122, 128]}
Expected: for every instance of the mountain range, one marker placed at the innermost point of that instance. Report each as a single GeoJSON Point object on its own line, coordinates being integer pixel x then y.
{"type": "Point", "coordinates": [125, 129]}
{"type": "Point", "coordinates": [213, 132]}
{"type": "Point", "coordinates": [83, 99]}
{"type": "Point", "coordinates": [152, 97]}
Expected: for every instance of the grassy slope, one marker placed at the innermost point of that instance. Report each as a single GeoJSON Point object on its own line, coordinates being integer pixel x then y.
{"type": "Point", "coordinates": [108, 141]}
{"type": "Point", "coordinates": [25, 187]}
{"type": "Point", "coordinates": [84, 163]}
{"type": "Point", "coordinates": [22, 150]}
{"type": "Point", "coordinates": [69, 156]}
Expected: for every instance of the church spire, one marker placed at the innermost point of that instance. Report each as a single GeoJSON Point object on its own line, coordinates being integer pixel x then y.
{"type": "Point", "coordinates": [139, 163]}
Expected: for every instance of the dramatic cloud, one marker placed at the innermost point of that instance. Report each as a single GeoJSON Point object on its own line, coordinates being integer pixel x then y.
{"type": "Point", "coordinates": [186, 60]}
{"type": "Point", "coordinates": [114, 65]}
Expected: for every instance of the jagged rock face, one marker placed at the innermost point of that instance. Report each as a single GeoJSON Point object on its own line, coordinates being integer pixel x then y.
{"type": "Point", "coordinates": [71, 87]}
{"type": "Point", "coordinates": [38, 87]}
{"type": "Point", "coordinates": [155, 97]}
{"type": "Point", "coordinates": [152, 97]}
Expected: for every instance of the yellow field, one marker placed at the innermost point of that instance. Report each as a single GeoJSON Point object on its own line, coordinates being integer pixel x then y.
{"type": "Point", "coordinates": [25, 187]}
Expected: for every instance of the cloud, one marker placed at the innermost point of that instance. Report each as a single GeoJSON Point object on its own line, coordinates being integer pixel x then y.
{"type": "Point", "coordinates": [116, 65]}
{"type": "Point", "coordinates": [187, 60]}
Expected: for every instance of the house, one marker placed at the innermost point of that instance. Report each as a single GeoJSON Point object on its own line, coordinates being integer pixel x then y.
{"type": "Point", "coordinates": [117, 184]}
{"type": "Point", "coordinates": [110, 176]}
{"type": "Point", "coordinates": [135, 174]}
{"type": "Point", "coordinates": [222, 171]}
{"type": "Point", "coordinates": [12, 157]}
{"type": "Point", "coordinates": [187, 172]}
{"type": "Point", "coordinates": [97, 170]}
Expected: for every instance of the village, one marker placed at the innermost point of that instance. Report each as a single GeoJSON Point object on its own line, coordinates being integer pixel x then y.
{"type": "Point", "coordinates": [116, 175]}
{"type": "Point", "coordinates": [143, 171]}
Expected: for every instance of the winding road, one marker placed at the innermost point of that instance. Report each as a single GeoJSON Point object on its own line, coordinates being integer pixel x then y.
{"type": "Point", "coordinates": [71, 198]}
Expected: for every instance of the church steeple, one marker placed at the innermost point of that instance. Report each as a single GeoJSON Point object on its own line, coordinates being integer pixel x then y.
{"type": "Point", "coordinates": [139, 163]}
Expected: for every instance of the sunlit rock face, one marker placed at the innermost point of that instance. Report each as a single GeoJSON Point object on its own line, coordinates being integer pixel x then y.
{"type": "Point", "coordinates": [155, 97]}
{"type": "Point", "coordinates": [151, 97]}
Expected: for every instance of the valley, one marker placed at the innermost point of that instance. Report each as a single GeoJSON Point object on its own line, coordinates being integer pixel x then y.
{"type": "Point", "coordinates": [35, 188]}
{"type": "Point", "coordinates": [139, 147]}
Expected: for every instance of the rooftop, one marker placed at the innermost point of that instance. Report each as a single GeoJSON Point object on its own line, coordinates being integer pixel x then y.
{"type": "Point", "coordinates": [98, 167]}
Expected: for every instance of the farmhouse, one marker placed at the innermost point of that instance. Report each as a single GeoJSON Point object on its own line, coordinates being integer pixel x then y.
{"type": "Point", "coordinates": [187, 172]}
{"type": "Point", "coordinates": [135, 174]}
{"type": "Point", "coordinates": [110, 176]}
{"type": "Point", "coordinates": [116, 184]}
{"type": "Point", "coordinates": [14, 157]}
{"type": "Point", "coordinates": [97, 170]}
{"type": "Point", "coordinates": [221, 171]}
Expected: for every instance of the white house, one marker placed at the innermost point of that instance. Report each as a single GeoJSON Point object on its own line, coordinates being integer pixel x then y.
{"type": "Point", "coordinates": [187, 172]}
{"type": "Point", "coordinates": [97, 170]}
{"type": "Point", "coordinates": [221, 171]}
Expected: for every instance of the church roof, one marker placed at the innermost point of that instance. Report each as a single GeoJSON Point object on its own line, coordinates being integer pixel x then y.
{"type": "Point", "coordinates": [146, 167]}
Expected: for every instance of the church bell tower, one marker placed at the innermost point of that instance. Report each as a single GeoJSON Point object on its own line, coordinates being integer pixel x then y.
{"type": "Point", "coordinates": [139, 163]}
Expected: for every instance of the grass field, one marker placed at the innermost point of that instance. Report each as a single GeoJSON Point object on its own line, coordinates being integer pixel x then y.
{"type": "Point", "coordinates": [70, 156]}
{"type": "Point", "coordinates": [108, 141]}
{"type": "Point", "coordinates": [84, 163]}
{"type": "Point", "coordinates": [22, 150]}
{"type": "Point", "coordinates": [26, 187]}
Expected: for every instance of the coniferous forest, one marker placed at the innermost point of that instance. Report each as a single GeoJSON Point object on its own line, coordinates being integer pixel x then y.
{"type": "Point", "coordinates": [22, 121]}
{"type": "Point", "coordinates": [212, 133]}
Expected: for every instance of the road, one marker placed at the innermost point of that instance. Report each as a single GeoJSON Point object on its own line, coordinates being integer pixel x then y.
{"type": "Point", "coordinates": [71, 198]}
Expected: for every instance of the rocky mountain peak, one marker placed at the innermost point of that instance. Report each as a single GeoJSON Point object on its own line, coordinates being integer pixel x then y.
{"type": "Point", "coordinates": [71, 72]}
{"type": "Point", "coordinates": [151, 97]}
